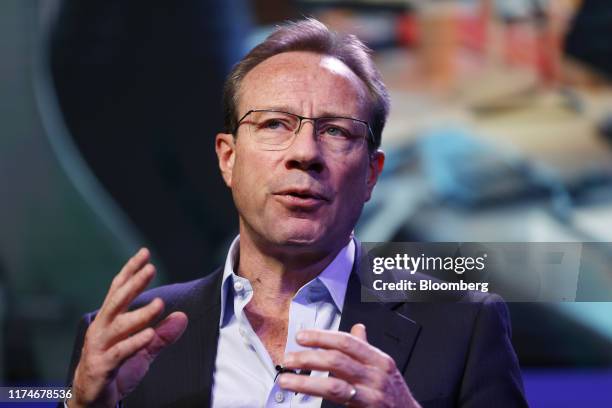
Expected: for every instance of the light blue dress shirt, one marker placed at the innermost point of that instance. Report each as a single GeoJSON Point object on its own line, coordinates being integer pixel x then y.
{"type": "Point", "coordinates": [244, 372]}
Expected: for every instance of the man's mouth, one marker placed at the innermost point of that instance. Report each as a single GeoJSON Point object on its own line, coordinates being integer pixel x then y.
{"type": "Point", "coordinates": [301, 198]}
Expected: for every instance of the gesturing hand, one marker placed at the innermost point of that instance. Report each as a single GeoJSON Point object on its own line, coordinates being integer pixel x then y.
{"type": "Point", "coordinates": [119, 345]}
{"type": "Point", "coordinates": [360, 374]}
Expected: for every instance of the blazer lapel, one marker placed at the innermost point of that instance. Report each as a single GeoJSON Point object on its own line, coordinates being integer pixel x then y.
{"type": "Point", "coordinates": [386, 328]}
{"type": "Point", "coordinates": [203, 306]}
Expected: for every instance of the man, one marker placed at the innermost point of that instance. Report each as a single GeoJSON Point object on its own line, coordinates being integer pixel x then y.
{"type": "Point", "coordinates": [304, 116]}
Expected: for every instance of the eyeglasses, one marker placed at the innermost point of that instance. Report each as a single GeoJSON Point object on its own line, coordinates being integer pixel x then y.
{"type": "Point", "coordinates": [276, 130]}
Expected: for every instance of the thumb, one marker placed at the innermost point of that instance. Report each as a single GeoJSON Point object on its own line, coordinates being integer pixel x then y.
{"type": "Point", "coordinates": [167, 332]}
{"type": "Point", "coordinates": [359, 331]}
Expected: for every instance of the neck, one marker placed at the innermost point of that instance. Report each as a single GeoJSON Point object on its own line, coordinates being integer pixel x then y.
{"type": "Point", "coordinates": [277, 274]}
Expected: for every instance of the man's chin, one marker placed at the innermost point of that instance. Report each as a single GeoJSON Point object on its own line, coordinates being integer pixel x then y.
{"type": "Point", "coordinates": [298, 235]}
{"type": "Point", "coordinates": [301, 238]}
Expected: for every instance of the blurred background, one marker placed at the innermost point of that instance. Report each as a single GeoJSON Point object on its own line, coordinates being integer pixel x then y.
{"type": "Point", "coordinates": [500, 130]}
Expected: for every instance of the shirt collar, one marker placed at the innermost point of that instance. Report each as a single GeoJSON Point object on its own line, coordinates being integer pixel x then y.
{"type": "Point", "coordinates": [334, 277]}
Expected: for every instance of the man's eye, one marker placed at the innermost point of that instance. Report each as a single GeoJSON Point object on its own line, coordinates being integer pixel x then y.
{"type": "Point", "coordinates": [273, 124]}
{"type": "Point", "coordinates": [336, 131]}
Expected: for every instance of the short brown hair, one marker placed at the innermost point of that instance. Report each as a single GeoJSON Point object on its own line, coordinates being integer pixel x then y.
{"type": "Point", "coordinates": [312, 35]}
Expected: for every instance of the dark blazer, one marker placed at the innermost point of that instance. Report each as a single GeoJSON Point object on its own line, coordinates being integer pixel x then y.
{"type": "Point", "coordinates": [452, 354]}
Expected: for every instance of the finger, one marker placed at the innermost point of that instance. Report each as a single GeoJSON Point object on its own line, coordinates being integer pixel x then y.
{"type": "Point", "coordinates": [132, 322]}
{"type": "Point", "coordinates": [359, 331]}
{"type": "Point", "coordinates": [336, 362]}
{"type": "Point", "coordinates": [348, 344]}
{"type": "Point", "coordinates": [133, 265]}
{"type": "Point", "coordinates": [329, 388]}
{"type": "Point", "coordinates": [118, 301]}
{"type": "Point", "coordinates": [128, 347]}
{"type": "Point", "coordinates": [167, 332]}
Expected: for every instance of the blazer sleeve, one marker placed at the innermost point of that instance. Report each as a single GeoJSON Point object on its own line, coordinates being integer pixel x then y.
{"type": "Point", "coordinates": [492, 376]}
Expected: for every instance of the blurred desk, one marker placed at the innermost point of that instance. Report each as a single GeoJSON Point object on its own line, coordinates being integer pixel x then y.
{"type": "Point", "coordinates": [502, 105]}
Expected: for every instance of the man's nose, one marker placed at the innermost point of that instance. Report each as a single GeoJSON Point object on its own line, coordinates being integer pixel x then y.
{"type": "Point", "coordinates": [305, 151]}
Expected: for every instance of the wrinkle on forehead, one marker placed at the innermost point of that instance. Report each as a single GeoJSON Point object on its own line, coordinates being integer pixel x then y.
{"type": "Point", "coordinates": [335, 81]}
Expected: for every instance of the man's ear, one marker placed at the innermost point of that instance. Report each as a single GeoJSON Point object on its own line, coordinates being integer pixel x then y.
{"type": "Point", "coordinates": [225, 146]}
{"type": "Point", "coordinates": [375, 167]}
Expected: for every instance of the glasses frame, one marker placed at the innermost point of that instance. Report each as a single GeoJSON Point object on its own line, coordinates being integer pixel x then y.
{"type": "Point", "coordinates": [370, 136]}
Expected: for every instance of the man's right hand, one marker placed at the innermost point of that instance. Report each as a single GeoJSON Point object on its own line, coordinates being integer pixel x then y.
{"type": "Point", "coordinates": [119, 345]}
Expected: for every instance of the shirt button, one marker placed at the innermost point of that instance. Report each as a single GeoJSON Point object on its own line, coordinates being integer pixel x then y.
{"type": "Point", "coordinates": [279, 396]}
{"type": "Point", "coordinates": [242, 332]}
{"type": "Point", "coordinates": [238, 287]}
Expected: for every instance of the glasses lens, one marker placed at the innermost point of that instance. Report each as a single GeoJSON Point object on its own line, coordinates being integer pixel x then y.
{"type": "Point", "coordinates": [272, 130]}
{"type": "Point", "coordinates": [341, 134]}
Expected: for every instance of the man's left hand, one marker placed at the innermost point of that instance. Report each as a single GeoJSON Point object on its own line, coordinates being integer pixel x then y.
{"type": "Point", "coordinates": [361, 375]}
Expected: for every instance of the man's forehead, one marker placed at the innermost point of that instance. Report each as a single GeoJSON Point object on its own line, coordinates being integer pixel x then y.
{"type": "Point", "coordinates": [293, 77]}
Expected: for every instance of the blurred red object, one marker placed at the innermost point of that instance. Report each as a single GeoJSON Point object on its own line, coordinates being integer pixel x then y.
{"type": "Point", "coordinates": [407, 30]}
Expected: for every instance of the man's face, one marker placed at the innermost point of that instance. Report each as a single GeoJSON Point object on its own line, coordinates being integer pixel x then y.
{"type": "Point", "coordinates": [303, 197]}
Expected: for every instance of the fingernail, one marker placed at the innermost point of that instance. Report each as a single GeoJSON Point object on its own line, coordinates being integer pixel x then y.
{"type": "Point", "coordinates": [288, 359]}
{"type": "Point", "coordinates": [301, 336]}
